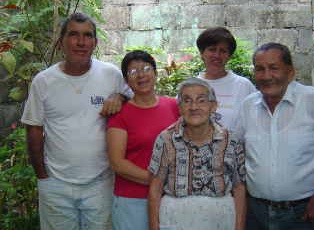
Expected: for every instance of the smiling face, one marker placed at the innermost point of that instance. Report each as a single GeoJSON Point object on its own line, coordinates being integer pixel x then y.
{"type": "Point", "coordinates": [195, 106]}
{"type": "Point", "coordinates": [141, 77]}
{"type": "Point", "coordinates": [216, 56]}
{"type": "Point", "coordinates": [78, 43]}
{"type": "Point", "coordinates": [272, 75]}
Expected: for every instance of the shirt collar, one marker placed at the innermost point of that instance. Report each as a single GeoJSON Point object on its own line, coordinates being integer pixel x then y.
{"type": "Point", "coordinates": [288, 97]}
{"type": "Point", "coordinates": [217, 135]}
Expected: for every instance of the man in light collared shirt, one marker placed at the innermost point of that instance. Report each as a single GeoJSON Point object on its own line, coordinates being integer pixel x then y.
{"type": "Point", "coordinates": [277, 125]}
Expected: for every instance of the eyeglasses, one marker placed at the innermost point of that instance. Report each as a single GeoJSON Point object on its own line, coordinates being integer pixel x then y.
{"type": "Point", "coordinates": [200, 101]}
{"type": "Point", "coordinates": [135, 72]}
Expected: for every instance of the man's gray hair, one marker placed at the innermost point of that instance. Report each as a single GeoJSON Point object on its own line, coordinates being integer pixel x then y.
{"type": "Point", "coordinates": [192, 82]}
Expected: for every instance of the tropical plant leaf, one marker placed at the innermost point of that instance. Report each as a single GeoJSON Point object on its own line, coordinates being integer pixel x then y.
{"type": "Point", "coordinates": [27, 71]}
{"type": "Point", "coordinates": [9, 62]}
{"type": "Point", "coordinates": [18, 93]}
{"type": "Point", "coordinates": [27, 45]}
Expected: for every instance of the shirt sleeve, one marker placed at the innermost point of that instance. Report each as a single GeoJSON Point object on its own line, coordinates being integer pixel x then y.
{"type": "Point", "coordinates": [33, 113]}
{"type": "Point", "coordinates": [252, 88]}
{"type": "Point", "coordinates": [239, 162]}
{"type": "Point", "coordinates": [238, 124]}
{"type": "Point", "coordinates": [117, 121]}
{"type": "Point", "coordinates": [159, 164]}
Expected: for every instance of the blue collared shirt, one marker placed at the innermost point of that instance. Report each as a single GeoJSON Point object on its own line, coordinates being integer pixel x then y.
{"type": "Point", "coordinates": [279, 146]}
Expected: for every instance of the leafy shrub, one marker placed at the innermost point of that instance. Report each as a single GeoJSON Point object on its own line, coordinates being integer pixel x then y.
{"type": "Point", "coordinates": [190, 64]}
{"type": "Point", "coordinates": [18, 193]}
{"type": "Point", "coordinates": [28, 38]}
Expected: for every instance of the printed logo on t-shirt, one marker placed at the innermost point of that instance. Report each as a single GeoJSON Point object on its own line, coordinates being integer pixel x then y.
{"type": "Point", "coordinates": [97, 101]}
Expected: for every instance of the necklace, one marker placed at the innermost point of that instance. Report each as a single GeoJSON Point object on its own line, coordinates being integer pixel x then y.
{"type": "Point", "coordinates": [78, 85]}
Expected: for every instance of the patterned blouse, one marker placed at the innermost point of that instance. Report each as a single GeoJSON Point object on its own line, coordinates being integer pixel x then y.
{"type": "Point", "coordinates": [212, 169]}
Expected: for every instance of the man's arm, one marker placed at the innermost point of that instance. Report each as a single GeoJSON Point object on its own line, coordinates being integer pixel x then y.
{"type": "Point", "coordinates": [35, 144]}
{"type": "Point", "coordinates": [113, 104]}
{"type": "Point", "coordinates": [239, 196]}
{"type": "Point", "coordinates": [154, 197]}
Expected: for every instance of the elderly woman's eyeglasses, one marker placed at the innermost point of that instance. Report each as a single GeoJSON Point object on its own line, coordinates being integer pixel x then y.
{"type": "Point", "coordinates": [200, 101]}
{"type": "Point", "coordinates": [135, 72]}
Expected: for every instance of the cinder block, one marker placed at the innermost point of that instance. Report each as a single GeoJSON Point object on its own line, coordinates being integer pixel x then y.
{"type": "Point", "coordinates": [269, 16]}
{"type": "Point", "coordinates": [145, 17]}
{"type": "Point", "coordinates": [246, 34]}
{"type": "Point", "coordinates": [114, 44]}
{"type": "Point", "coordinates": [305, 41]}
{"type": "Point", "coordinates": [238, 16]}
{"type": "Point", "coordinates": [151, 38]}
{"type": "Point", "coordinates": [129, 2]}
{"type": "Point", "coordinates": [293, 15]}
{"type": "Point", "coordinates": [305, 1]}
{"type": "Point", "coordinates": [287, 37]}
{"type": "Point", "coordinates": [202, 16]}
{"type": "Point", "coordinates": [177, 40]}
{"type": "Point", "coordinates": [304, 67]}
{"type": "Point", "coordinates": [116, 17]}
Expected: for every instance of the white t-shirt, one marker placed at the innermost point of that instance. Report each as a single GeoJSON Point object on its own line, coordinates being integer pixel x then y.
{"type": "Point", "coordinates": [230, 92]}
{"type": "Point", "coordinates": [74, 147]}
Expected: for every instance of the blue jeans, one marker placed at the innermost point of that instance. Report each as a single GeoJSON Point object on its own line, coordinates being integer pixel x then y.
{"type": "Point", "coordinates": [68, 206]}
{"type": "Point", "coordinates": [264, 217]}
{"type": "Point", "coordinates": [129, 213]}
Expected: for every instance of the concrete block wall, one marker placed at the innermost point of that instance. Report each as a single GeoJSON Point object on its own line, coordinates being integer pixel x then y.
{"type": "Point", "coordinates": [175, 24]}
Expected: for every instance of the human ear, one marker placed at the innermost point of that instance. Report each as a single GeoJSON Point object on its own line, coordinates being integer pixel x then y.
{"type": "Point", "coordinates": [213, 106]}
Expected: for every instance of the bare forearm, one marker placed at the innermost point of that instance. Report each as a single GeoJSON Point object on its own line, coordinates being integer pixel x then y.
{"type": "Point", "coordinates": [132, 172]}
{"type": "Point", "coordinates": [154, 197]}
{"type": "Point", "coordinates": [239, 195]}
{"type": "Point", "coordinates": [117, 144]}
{"type": "Point", "coordinates": [35, 145]}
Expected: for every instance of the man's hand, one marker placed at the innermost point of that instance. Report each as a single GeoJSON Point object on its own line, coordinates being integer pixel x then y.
{"type": "Point", "coordinates": [112, 105]}
{"type": "Point", "coordinates": [309, 210]}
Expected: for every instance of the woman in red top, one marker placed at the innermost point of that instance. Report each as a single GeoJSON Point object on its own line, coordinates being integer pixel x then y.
{"type": "Point", "coordinates": [130, 137]}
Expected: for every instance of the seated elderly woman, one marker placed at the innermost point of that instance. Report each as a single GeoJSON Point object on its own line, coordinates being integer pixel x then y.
{"type": "Point", "coordinates": [197, 168]}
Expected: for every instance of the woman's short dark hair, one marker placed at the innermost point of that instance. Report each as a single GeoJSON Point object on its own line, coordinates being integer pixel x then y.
{"type": "Point", "coordinates": [137, 55]}
{"type": "Point", "coordinates": [285, 52]}
{"type": "Point", "coordinates": [76, 17]}
{"type": "Point", "coordinates": [215, 35]}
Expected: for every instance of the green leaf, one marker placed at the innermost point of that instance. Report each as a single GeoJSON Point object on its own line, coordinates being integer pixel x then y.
{"type": "Point", "coordinates": [27, 45]}
{"type": "Point", "coordinates": [17, 93]}
{"type": "Point", "coordinates": [102, 35]}
{"type": "Point", "coordinates": [28, 70]}
{"type": "Point", "coordinates": [9, 62]}
{"type": "Point", "coordinates": [5, 185]}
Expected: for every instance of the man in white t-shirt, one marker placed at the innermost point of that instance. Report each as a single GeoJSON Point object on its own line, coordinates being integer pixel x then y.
{"type": "Point", "coordinates": [66, 134]}
{"type": "Point", "coordinates": [216, 45]}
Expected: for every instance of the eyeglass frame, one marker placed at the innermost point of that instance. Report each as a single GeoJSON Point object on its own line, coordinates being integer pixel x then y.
{"type": "Point", "coordinates": [198, 101]}
{"type": "Point", "coordinates": [133, 73]}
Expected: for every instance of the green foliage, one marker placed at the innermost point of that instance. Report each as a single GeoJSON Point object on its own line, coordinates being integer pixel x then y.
{"type": "Point", "coordinates": [18, 194]}
{"type": "Point", "coordinates": [28, 37]}
{"type": "Point", "coordinates": [241, 60]}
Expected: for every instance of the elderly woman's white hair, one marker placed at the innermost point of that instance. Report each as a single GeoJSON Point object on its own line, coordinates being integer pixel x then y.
{"type": "Point", "coordinates": [192, 82]}
{"type": "Point", "coordinates": [214, 117]}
